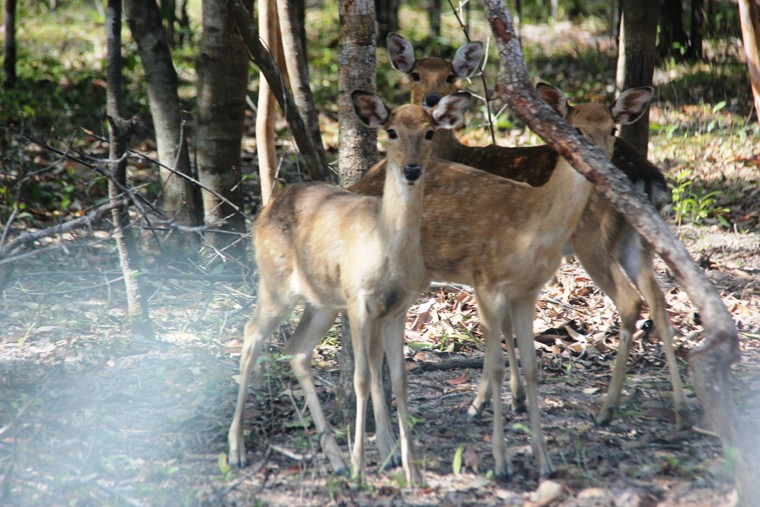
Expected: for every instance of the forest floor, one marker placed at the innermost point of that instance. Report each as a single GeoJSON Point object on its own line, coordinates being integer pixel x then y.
{"type": "Point", "coordinates": [90, 415]}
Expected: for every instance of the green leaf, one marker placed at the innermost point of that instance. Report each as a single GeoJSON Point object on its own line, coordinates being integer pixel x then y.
{"type": "Point", "coordinates": [457, 464]}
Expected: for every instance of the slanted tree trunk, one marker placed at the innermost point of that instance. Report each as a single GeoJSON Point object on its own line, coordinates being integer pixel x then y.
{"type": "Point", "coordinates": [121, 131]}
{"type": "Point", "coordinates": [748, 14]}
{"type": "Point", "coordinates": [265, 112]}
{"type": "Point", "coordinates": [9, 64]}
{"type": "Point", "coordinates": [180, 199]}
{"type": "Point", "coordinates": [295, 60]}
{"type": "Point", "coordinates": [222, 84]}
{"type": "Point", "coordinates": [711, 362]}
{"type": "Point", "coordinates": [636, 59]}
{"type": "Point", "coordinates": [264, 61]}
{"type": "Point", "coordinates": [358, 145]}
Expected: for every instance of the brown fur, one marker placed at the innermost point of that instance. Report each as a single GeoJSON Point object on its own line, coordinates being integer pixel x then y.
{"type": "Point", "coordinates": [604, 242]}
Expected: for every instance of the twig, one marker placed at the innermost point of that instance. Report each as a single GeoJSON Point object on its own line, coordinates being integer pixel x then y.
{"type": "Point", "coordinates": [481, 66]}
{"type": "Point", "coordinates": [88, 219]}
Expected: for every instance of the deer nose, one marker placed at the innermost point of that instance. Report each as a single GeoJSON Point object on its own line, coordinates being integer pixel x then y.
{"type": "Point", "coordinates": [431, 99]}
{"type": "Point", "coordinates": [412, 172]}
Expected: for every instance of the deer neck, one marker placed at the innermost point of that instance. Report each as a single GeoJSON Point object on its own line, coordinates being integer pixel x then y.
{"type": "Point", "coordinates": [446, 146]}
{"type": "Point", "coordinates": [401, 210]}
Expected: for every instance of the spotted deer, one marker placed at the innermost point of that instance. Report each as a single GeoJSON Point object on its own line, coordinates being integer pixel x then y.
{"type": "Point", "coordinates": [607, 246]}
{"type": "Point", "coordinates": [336, 250]}
{"type": "Point", "coordinates": [505, 239]}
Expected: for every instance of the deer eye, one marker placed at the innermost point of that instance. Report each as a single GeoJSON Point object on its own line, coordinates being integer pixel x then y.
{"type": "Point", "coordinates": [415, 76]}
{"type": "Point", "coordinates": [579, 131]}
{"type": "Point", "coordinates": [429, 135]}
{"type": "Point", "coordinates": [392, 134]}
{"type": "Point", "coordinates": [613, 131]}
{"type": "Point", "coordinates": [451, 79]}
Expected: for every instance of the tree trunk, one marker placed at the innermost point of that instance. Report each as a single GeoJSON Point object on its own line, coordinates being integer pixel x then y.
{"type": "Point", "coordinates": [635, 66]}
{"type": "Point", "coordinates": [697, 28]}
{"type": "Point", "coordinates": [672, 33]}
{"type": "Point", "coordinates": [121, 131]}
{"type": "Point", "coordinates": [711, 362]}
{"type": "Point", "coordinates": [358, 145]}
{"type": "Point", "coordinates": [295, 60]}
{"type": "Point", "coordinates": [265, 113]}
{"type": "Point", "coordinates": [748, 14]}
{"type": "Point", "coordinates": [434, 16]}
{"type": "Point", "coordinates": [263, 59]}
{"type": "Point", "coordinates": [179, 197]}
{"type": "Point", "coordinates": [222, 84]}
{"type": "Point", "coordinates": [387, 19]}
{"type": "Point", "coordinates": [9, 64]}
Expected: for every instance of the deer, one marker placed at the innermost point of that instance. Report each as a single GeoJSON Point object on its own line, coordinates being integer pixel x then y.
{"type": "Point", "coordinates": [606, 245]}
{"type": "Point", "coordinates": [336, 250]}
{"type": "Point", "coordinates": [505, 239]}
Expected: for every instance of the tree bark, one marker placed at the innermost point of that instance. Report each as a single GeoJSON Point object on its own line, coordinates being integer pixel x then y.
{"type": "Point", "coordinates": [711, 361]}
{"type": "Point", "coordinates": [295, 61]}
{"type": "Point", "coordinates": [434, 17]}
{"type": "Point", "coordinates": [264, 61]}
{"type": "Point", "coordinates": [748, 14]}
{"type": "Point", "coordinates": [387, 19]}
{"type": "Point", "coordinates": [222, 84]}
{"type": "Point", "coordinates": [671, 29]}
{"type": "Point", "coordinates": [180, 199]}
{"type": "Point", "coordinates": [121, 131]}
{"type": "Point", "coordinates": [358, 145]}
{"type": "Point", "coordinates": [9, 64]}
{"type": "Point", "coordinates": [265, 113]}
{"type": "Point", "coordinates": [696, 29]}
{"type": "Point", "coordinates": [636, 59]}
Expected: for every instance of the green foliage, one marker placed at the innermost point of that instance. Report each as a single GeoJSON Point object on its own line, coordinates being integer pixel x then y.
{"type": "Point", "coordinates": [693, 204]}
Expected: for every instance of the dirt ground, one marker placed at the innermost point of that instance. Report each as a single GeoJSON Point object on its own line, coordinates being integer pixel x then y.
{"type": "Point", "coordinates": [89, 416]}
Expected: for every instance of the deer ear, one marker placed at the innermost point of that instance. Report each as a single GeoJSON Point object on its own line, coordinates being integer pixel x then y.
{"type": "Point", "coordinates": [631, 104]}
{"type": "Point", "coordinates": [554, 97]}
{"type": "Point", "coordinates": [370, 109]}
{"type": "Point", "coordinates": [449, 112]}
{"type": "Point", "coordinates": [401, 53]}
{"type": "Point", "coordinates": [467, 58]}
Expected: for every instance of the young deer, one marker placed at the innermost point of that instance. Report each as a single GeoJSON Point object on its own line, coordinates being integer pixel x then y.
{"type": "Point", "coordinates": [337, 250]}
{"type": "Point", "coordinates": [505, 239]}
{"type": "Point", "coordinates": [610, 250]}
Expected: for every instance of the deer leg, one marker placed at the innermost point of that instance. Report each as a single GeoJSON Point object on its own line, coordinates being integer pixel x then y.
{"type": "Point", "coordinates": [604, 269]}
{"type": "Point", "coordinates": [313, 326]}
{"type": "Point", "coordinates": [515, 382]}
{"type": "Point", "coordinates": [645, 281]}
{"type": "Point", "coordinates": [266, 317]}
{"type": "Point", "coordinates": [361, 332]}
{"type": "Point", "coordinates": [491, 308]}
{"type": "Point", "coordinates": [522, 311]}
{"type": "Point", "coordinates": [393, 341]}
{"type": "Point", "coordinates": [383, 427]}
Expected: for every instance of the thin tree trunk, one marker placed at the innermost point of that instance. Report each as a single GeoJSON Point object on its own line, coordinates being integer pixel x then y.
{"type": "Point", "coordinates": [121, 131]}
{"type": "Point", "coordinates": [295, 61]}
{"type": "Point", "coordinates": [387, 19]}
{"type": "Point", "coordinates": [748, 14]}
{"type": "Point", "coordinates": [358, 145]}
{"type": "Point", "coordinates": [711, 362]}
{"type": "Point", "coordinates": [434, 17]}
{"type": "Point", "coordinates": [697, 27]}
{"type": "Point", "coordinates": [635, 66]}
{"type": "Point", "coordinates": [222, 85]}
{"type": "Point", "coordinates": [264, 61]}
{"type": "Point", "coordinates": [9, 64]}
{"type": "Point", "coordinates": [179, 197]}
{"type": "Point", "coordinates": [265, 113]}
